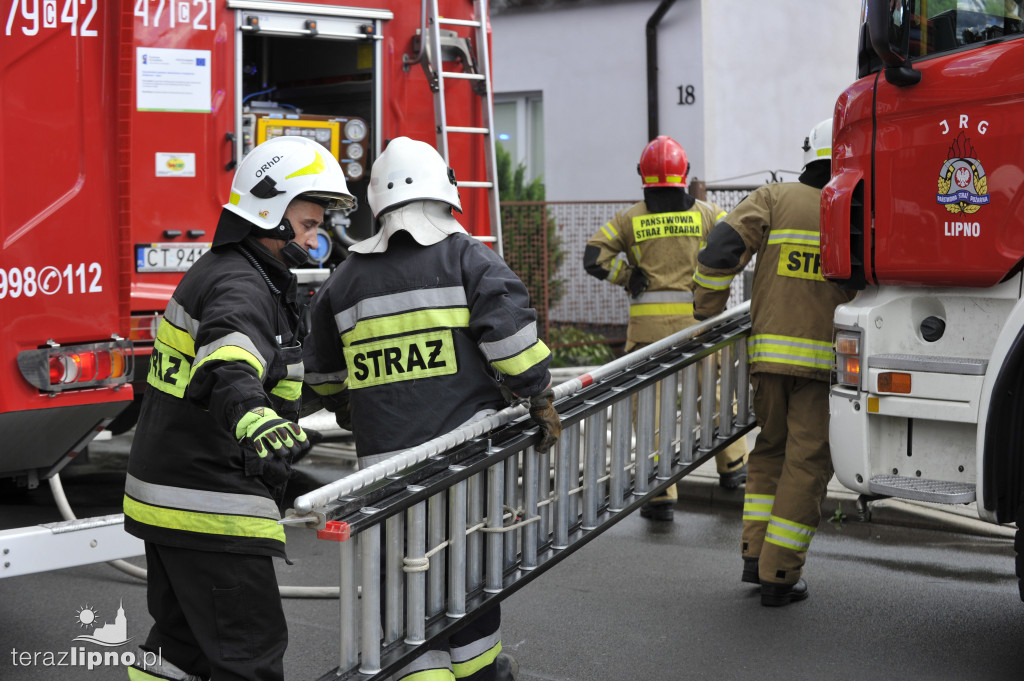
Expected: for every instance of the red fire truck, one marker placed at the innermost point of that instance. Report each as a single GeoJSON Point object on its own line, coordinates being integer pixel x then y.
{"type": "Point", "coordinates": [122, 123]}
{"type": "Point", "coordinates": [925, 214]}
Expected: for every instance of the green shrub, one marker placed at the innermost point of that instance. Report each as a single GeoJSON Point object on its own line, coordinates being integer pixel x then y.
{"type": "Point", "coordinates": [574, 347]}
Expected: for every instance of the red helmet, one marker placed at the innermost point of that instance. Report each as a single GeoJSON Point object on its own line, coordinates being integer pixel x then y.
{"type": "Point", "coordinates": [663, 163]}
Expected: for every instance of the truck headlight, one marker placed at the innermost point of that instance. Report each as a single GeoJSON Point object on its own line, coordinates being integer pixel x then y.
{"type": "Point", "coordinates": [848, 358]}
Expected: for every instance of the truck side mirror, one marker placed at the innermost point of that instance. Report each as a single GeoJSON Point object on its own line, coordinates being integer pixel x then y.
{"type": "Point", "coordinates": [889, 28]}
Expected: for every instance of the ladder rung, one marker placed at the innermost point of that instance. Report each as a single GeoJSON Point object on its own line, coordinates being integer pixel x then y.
{"type": "Point", "coordinates": [474, 131]}
{"type": "Point", "coordinates": [483, 185]}
{"type": "Point", "coordinates": [463, 76]}
{"type": "Point", "coordinates": [458, 22]}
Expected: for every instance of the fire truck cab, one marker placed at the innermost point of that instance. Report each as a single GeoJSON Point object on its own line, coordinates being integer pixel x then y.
{"type": "Point", "coordinates": [925, 214]}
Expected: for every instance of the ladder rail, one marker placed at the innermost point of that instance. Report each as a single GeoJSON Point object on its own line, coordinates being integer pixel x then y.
{"type": "Point", "coordinates": [433, 61]}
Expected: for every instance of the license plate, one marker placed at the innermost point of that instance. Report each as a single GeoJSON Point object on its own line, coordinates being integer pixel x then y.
{"type": "Point", "coordinates": [167, 257]}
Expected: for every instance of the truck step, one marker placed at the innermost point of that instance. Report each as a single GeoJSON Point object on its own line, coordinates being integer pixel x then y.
{"type": "Point", "coordinates": [920, 489]}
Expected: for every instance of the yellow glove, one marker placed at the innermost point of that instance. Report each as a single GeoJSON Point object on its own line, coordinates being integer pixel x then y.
{"type": "Point", "coordinates": [269, 433]}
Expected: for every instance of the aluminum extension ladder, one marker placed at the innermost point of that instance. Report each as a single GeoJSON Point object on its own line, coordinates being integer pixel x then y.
{"type": "Point", "coordinates": [443, 531]}
{"type": "Point", "coordinates": [477, 68]}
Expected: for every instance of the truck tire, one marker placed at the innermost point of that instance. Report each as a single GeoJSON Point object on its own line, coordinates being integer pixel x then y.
{"type": "Point", "coordinates": [1018, 546]}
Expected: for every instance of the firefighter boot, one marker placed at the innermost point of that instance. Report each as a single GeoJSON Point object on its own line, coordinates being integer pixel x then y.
{"type": "Point", "coordinates": [660, 508]}
{"type": "Point", "coordinates": [750, 566]}
{"type": "Point", "coordinates": [774, 595]}
{"type": "Point", "coordinates": [505, 668]}
{"type": "Point", "coordinates": [732, 465]}
{"type": "Point", "coordinates": [657, 510]}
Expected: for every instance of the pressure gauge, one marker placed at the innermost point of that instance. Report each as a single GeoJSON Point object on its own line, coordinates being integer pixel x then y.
{"type": "Point", "coordinates": [355, 130]}
{"type": "Point", "coordinates": [354, 170]}
{"type": "Point", "coordinates": [354, 151]}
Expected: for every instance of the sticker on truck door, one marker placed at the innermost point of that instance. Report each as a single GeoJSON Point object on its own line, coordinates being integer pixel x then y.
{"type": "Point", "coordinates": [963, 186]}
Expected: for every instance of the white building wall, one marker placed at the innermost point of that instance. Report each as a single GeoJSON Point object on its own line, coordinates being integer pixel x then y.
{"type": "Point", "coordinates": [763, 72]}
{"type": "Point", "coordinates": [590, 64]}
{"type": "Point", "coordinates": [772, 70]}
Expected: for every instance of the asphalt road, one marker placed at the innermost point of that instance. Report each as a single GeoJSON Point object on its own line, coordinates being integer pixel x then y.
{"type": "Point", "coordinates": [643, 601]}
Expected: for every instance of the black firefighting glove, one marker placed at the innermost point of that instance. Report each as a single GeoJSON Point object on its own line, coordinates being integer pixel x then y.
{"type": "Point", "coordinates": [638, 282]}
{"type": "Point", "coordinates": [542, 411]}
{"type": "Point", "coordinates": [271, 434]}
{"type": "Point", "coordinates": [339, 404]}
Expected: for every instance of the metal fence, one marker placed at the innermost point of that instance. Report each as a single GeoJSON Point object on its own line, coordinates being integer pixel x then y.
{"type": "Point", "coordinates": [544, 243]}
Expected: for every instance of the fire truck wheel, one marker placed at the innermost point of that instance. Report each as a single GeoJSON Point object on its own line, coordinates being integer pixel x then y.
{"type": "Point", "coordinates": [1018, 545]}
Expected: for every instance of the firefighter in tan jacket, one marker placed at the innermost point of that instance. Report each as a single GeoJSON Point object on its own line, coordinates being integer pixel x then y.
{"type": "Point", "coordinates": [658, 239]}
{"type": "Point", "coordinates": [791, 357]}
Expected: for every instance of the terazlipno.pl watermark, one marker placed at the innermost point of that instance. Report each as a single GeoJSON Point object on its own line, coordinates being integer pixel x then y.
{"type": "Point", "coordinates": [80, 657]}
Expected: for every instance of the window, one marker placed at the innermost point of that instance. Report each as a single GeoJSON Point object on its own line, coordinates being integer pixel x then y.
{"type": "Point", "coordinates": [519, 125]}
{"type": "Point", "coordinates": [952, 24]}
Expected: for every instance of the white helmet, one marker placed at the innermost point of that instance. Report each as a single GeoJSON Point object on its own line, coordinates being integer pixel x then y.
{"type": "Point", "coordinates": [818, 145]}
{"type": "Point", "coordinates": [408, 170]}
{"type": "Point", "coordinates": [278, 171]}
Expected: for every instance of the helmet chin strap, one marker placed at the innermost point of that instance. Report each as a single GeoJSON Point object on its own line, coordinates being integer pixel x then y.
{"type": "Point", "coordinates": [293, 254]}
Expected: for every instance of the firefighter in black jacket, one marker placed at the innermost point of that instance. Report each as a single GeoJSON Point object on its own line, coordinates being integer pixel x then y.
{"type": "Point", "coordinates": [217, 432]}
{"type": "Point", "coordinates": [791, 357]}
{"type": "Point", "coordinates": [412, 334]}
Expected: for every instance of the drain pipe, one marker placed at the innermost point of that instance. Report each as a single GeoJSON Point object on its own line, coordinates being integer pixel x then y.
{"type": "Point", "coordinates": [652, 67]}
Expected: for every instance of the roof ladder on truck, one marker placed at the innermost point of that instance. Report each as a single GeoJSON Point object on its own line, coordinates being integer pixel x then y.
{"type": "Point", "coordinates": [433, 49]}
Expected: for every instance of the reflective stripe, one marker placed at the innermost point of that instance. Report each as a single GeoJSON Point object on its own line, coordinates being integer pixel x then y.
{"type": "Point", "coordinates": [758, 507]}
{"type": "Point", "coordinates": [713, 283]}
{"type": "Point", "coordinates": [664, 297]}
{"type": "Point", "coordinates": [476, 648]}
{"type": "Point", "coordinates": [609, 231]}
{"type": "Point", "coordinates": [516, 343]}
{"type": "Point", "coordinates": [433, 665]}
{"type": "Point", "coordinates": [791, 350]}
{"type": "Point", "coordinates": [430, 675]}
{"type": "Point", "coordinates": [472, 665]}
{"type": "Point", "coordinates": [417, 299]}
{"type": "Point", "coordinates": [794, 236]}
{"type": "Point", "coordinates": [524, 361]}
{"type": "Point", "coordinates": [287, 389]}
{"type": "Point", "coordinates": [326, 384]}
{"type": "Point", "coordinates": [636, 252]}
{"type": "Point", "coordinates": [409, 322]}
{"type": "Point", "coordinates": [617, 264]}
{"type": "Point", "coordinates": [234, 347]}
{"type": "Point", "coordinates": [201, 500]}
{"type": "Point", "coordinates": [204, 523]}
{"type": "Point", "coordinates": [172, 336]}
{"type": "Point", "coordinates": [290, 387]}
{"type": "Point", "coordinates": [789, 534]}
{"type": "Point", "coordinates": [660, 309]}
{"type": "Point", "coordinates": [314, 378]}
{"type": "Point", "coordinates": [176, 315]}
{"type": "Point", "coordinates": [296, 372]}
